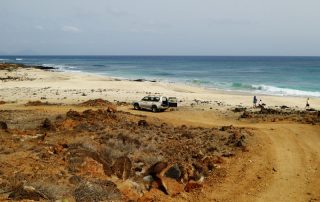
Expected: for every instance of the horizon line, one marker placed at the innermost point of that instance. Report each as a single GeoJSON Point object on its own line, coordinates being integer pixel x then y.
{"type": "Point", "coordinates": [129, 55]}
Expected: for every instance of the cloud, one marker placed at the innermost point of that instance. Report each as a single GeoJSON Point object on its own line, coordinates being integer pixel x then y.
{"type": "Point", "coordinates": [39, 27]}
{"type": "Point", "coordinates": [143, 30]}
{"type": "Point", "coordinates": [231, 21]}
{"type": "Point", "coordinates": [70, 29]}
{"type": "Point", "coordinates": [117, 12]}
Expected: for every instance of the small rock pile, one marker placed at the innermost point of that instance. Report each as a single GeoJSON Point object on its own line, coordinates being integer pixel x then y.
{"type": "Point", "coordinates": [96, 103]}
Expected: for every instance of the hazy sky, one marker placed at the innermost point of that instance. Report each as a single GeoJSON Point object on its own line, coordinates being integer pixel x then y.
{"type": "Point", "coordinates": [163, 27]}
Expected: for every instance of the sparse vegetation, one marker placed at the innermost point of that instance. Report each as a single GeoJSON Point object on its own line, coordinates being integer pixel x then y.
{"type": "Point", "coordinates": [80, 147]}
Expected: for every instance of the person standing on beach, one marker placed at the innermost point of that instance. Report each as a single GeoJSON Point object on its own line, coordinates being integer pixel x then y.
{"type": "Point", "coordinates": [307, 104]}
{"type": "Point", "coordinates": [255, 101]}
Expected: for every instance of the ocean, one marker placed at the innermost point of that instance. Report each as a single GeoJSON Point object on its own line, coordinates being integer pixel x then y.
{"type": "Point", "coordinates": [283, 76]}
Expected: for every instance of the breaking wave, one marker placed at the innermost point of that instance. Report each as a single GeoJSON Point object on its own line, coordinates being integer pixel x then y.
{"type": "Point", "coordinates": [273, 90]}
{"type": "Point", "coordinates": [62, 67]}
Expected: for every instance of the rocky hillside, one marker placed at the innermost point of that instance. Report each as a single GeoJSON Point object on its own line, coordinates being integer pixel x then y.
{"type": "Point", "coordinates": [103, 154]}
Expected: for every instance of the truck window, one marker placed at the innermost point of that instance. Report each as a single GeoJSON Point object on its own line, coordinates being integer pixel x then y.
{"type": "Point", "coordinates": [145, 98]}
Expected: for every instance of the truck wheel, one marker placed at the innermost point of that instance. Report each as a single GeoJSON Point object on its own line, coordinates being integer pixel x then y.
{"type": "Point", "coordinates": [136, 106]}
{"type": "Point", "coordinates": [154, 109]}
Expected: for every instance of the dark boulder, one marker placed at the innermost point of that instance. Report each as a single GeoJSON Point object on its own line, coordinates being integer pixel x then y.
{"type": "Point", "coordinates": [157, 168]}
{"type": "Point", "coordinates": [73, 114]}
{"type": "Point", "coordinates": [173, 172]}
{"type": "Point", "coordinates": [26, 193]}
{"type": "Point", "coordinates": [3, 125]}
{"type": "Point", "coordinates": [239, 109]}
{"type": "Point", "coordinates": [47, 125]}
{"type": "Point", "coordinates": [142, 123]}
{"type": "Point", "coordinates": [245, 115]}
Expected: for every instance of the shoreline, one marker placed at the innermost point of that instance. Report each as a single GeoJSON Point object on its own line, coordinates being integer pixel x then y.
{"type": "Point", "coordinates": [214, 89]}
{"type": "Point", "coordinates": [31, 84]}
{"type": "Point", "coordinates": [234, 87]}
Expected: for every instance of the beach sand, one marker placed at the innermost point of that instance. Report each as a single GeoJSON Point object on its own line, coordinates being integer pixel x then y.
{"type": "Point", "coordinates": [67, 87]}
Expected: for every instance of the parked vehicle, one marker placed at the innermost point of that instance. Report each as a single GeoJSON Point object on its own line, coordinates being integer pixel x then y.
{"type": "Point", "coordinates": [154, 103]}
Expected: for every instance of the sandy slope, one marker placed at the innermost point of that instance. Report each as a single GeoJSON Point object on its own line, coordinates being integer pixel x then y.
{"type": "Point", "coordinates": [283, 163]}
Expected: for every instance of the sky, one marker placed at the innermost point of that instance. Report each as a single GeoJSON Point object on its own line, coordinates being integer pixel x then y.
{"type": "Point", "coordinates": [163, 27]}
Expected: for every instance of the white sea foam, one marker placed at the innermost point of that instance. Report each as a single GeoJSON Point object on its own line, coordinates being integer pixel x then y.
{"type": "Point", "coordinates": [19, 59]}
{"type": "Point", "coordinates": [272, 90]}
{"type": "Point", "coordinates": [61, 67]}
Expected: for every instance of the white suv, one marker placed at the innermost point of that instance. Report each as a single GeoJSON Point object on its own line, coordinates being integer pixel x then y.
{"type": "Point", "coordinates": [154, 103]}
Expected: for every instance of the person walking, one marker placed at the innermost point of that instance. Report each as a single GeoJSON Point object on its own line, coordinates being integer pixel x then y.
{"type": "Point", "coordinates": [255, 100]}
{"type": "Point", "coordinates": [307, 104]}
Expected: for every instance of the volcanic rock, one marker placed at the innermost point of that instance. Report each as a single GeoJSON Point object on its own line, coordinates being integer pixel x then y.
{"type": "Point", "coordinates": [95, 103]}
{"type": "Point", "coordinates": [73, 114]}
{"type": "Point", "coordinates": [92, 168]}
{"type": "Point", "coordinates": [47, 125]}
{"type": "Point", "coordinates": [191, 186]}
{"type": "Point", "coordinates": [173, 172]}
{"type": "Point", "coordinates": [158, 167]}
{"type": "Point", "coordinates": [142, 123]}
{"type": "Point", "coordinates": [26, 193]}
{"type": "Point", "coordinates": [169, 177]}
{"type": "Point", "coordinates": [171, 186]}
{"type": "Point", "coordinates": [112, 108]}
{"type": "Point", "coordinates": [3, 125]}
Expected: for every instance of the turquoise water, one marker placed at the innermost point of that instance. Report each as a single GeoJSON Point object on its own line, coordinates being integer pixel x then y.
{"type": "Point", "coordinates": [286, 76]}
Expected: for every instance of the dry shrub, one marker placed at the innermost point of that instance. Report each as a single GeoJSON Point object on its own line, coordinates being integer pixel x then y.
{"type": "Point", "coordinates": [51, 191]}
{"type": "Point", "coordinates": [100, 190]}
{"type": "Point", "coordinates": [116, 146]}
{"type": "Point", "coordinates": [112, 153]}
{"type": "Point", "coordinates": [37, 103]}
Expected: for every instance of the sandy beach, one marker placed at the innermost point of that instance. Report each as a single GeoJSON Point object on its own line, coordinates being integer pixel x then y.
{"type": "Point", "coordinates": [72, 87]}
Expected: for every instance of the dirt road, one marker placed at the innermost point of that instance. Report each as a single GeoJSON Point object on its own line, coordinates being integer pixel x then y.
{"type": "Point", "coordinates": [283, 163]}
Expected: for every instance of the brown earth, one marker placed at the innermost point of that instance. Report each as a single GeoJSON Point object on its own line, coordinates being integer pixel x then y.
{"type": "Point", "coordinates": [283, 162]}
{"type": "Point", "coordinates": [280, 161]}
{"type": "Point", "coordinates": [50, 153]}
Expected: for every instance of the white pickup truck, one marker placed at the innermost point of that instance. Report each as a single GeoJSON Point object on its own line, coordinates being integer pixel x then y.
{"type": "Point", "coordinates": [155, 103]}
